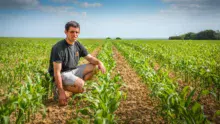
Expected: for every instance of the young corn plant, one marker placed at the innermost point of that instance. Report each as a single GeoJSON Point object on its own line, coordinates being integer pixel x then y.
{"type": "Point", "coordinates": [175, 106]}
{"type": "Point", "coordinates": [198, 68]}
{"type": "Point", "coordinates": [22, 100]}
{"type": "Point", "coordinates": [104, 96]}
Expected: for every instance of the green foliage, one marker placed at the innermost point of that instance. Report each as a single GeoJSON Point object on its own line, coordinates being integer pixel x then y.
{"type": "Point", "coordinates": [193, 65]}
{"type": "Point", "coordinates": [217, 35]}
{"type": "Point", "coordinates": [190, 36]}
{"type": "Point", "coordinates": [206, 35]}
{"type": "Point", "coordinates": [176, 105]}
{"type": "Point", "coordinates": [21, 58]}
{"type": "Point", "coordinates": [118, 38]}
{"type": "Point", "coordinates": [104, 96]}
{"type": "Point", "coordinates": [24, 100]}
{"type": "Point", "coordinates": [202, 35]}
{"type": "Point", "coordinates": [175, 38]}
{"type": "Point", "coordinates": [23, 72]}
{"type": "Point", "coordinates": [108, 38]}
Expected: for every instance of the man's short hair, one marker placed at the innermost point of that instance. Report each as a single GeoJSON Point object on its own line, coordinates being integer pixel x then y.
{"type": "Point", "coordinates": [71, 24]}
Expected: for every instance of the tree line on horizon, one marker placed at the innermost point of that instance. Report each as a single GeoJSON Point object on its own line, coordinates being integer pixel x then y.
{"type": "Point", "coordinates": [117, 38]}
{"type": "Point", "coordinates": [202, 35]}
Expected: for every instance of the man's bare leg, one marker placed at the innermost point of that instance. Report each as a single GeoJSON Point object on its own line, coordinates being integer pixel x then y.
{"type": "Point", "coordinates": [77, 87]}
{"type": "Point", "coordinates": [89, 71]}
{"type": "Point", "coordinates": [88, 76]}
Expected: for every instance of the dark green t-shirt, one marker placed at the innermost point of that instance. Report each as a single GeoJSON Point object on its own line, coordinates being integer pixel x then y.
{"type": "Point", "coordinates": [66, 54]}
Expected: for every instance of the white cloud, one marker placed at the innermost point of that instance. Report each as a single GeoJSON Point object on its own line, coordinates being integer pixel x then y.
{"type": "Point", "coordinates": [18, 3]}
{"type": "Point", "coordinates": [178, 1]}
{"type": "Point", "coordinates": [35, 5]}
{"type": "Point", "coordinates": [81, 4]}
{"type": "Point", "coordinates": [86, 4]}
{"type": "Point", "coordinates": [65, 1]}
{"type": "Point", "coordinates": [192, 7]}
{"type": "Point", "coordinates": [61, 10]}
{"type": "Point", "coordinates": [57, 9]}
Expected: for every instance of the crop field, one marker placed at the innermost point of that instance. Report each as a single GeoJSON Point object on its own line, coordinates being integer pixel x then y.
{"type": "Point", "coordinates": [147, 81]}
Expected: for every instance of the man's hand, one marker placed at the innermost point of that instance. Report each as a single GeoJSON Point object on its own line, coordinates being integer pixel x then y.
{"type": "Point", "coordinates": [95, 61]}
{"type": "Point", "coordinates": [62, 98]}
{"type": "Point", "coordinates": [101, 67]}
{"type": "Point", "coordinates": [58, 80]}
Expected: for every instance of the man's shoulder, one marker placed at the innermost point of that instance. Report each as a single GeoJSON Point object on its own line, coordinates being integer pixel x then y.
{"type": "Point", "coordinates": [78, 43]}
{"type": "Point", "coordinates": [59, 45]}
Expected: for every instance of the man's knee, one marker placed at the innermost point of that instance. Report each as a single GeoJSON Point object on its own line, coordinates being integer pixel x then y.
{"type": "Point", "coordinates": [89, 68]}
{"type": "Point", "coordinates": [79, 82]}
{"type": "Point", "coordinates": [88, 76]}
{"type": "Point", "coordinates": [77, 86]}
{"type": "Point", "coordinates": [92, 67]}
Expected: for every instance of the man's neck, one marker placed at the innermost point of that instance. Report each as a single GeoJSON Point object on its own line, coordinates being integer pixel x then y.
{"type": "Point", "coordinates": [69, 42]}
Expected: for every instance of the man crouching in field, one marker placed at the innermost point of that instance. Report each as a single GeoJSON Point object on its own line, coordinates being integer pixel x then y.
{"type": "Point", "coordinates": [64, 58]}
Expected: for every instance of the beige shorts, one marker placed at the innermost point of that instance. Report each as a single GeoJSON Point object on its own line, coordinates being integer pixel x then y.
{"type": "Point", "coordinates": [69, 77]}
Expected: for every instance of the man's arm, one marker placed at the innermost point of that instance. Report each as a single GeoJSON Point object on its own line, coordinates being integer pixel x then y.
{"type": "Point", "coordinates": [58, 80]}
{"type": "Point", "coordinates": [95, 61]}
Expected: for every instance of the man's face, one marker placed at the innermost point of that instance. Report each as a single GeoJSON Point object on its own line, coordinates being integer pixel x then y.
{"type": "Point", "coordinates": [72, 34]}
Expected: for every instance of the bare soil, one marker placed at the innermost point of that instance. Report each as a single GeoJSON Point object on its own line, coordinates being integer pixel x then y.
{"type": "Point", "coordinates": [138, 107]}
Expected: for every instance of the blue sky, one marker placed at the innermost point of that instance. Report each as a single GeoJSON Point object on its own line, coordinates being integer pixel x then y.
{"type": "Point", "coordinates": [108, 18]}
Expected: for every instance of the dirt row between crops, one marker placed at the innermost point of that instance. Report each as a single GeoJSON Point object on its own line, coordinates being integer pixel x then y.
{"type": "Point", "coordinates": [138, 107]}
{"type": "Point", "coordinates": [56, 114]}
